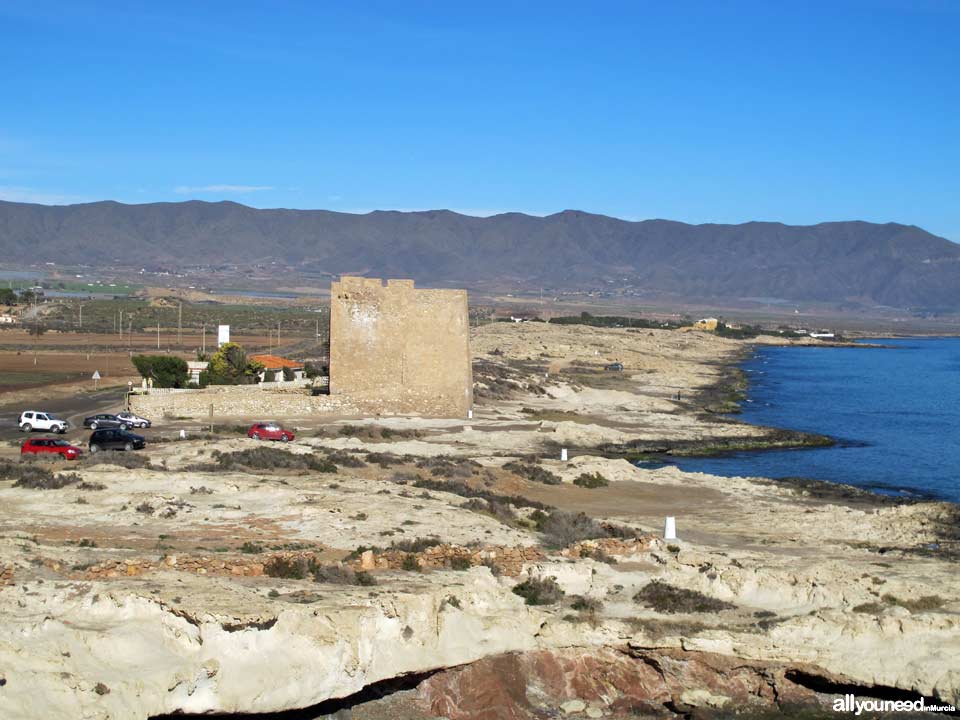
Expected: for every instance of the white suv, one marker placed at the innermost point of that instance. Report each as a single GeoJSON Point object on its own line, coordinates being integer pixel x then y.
{"type": "Point", "coordinates": [45, 422]}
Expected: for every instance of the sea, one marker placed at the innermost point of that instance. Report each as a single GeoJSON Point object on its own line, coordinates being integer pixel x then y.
{"type": "Point", "coordinates": [894, 411]}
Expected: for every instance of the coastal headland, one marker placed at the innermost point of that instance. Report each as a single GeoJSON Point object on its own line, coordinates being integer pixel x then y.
{"type": "Point", "coordinates": [413, 567]}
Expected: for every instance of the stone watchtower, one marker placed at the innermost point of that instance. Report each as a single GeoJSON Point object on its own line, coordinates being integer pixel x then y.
{"type": "Point", "coordinates": [397, 349]}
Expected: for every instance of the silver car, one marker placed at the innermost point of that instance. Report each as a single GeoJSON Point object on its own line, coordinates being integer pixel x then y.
{"type": "Point", "coordinates": [134, 420]}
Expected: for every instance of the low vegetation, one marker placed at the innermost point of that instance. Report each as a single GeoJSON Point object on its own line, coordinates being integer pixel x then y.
{"type": "Point", "coordinates": [539, 591]}
{"type": "Point", "coordinates": [35, 477]}
{"type": "Point", "coordinates": [921, 604]}
{"type": "Point", "coordinates": [300, 568]}
{"type": "Point", "coordinates": [447, 467]}
{"type": "Point", "coordinates": [458, 487]}
{"type": "Point", "coordinates": [665, 598]}
{"type": "Point", "coordinates": [561, 528]}
{"type": "Point", "coordinates": [269, 458]}
{"type": "Point", "coordinates": [342, 458]}
{"type": "Point", "coordinates": [591, 480]}
{"type": "Point", "coordinates": [531, 472]}
{"type": "Point", "coordinates": [385, 459]}
{"type": "Point", "coordinates": [371, 432]}
{"type": "Point", "coordinates": [129, 460]}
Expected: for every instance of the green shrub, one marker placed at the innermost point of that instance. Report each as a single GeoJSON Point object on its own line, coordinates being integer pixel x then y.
{"type": "Point", "coordinates": [342, 458]}
{"type": "Point", "coordinates": [167, 371]}
{"type": "Point", "coordinates": [342, 575]}
{"type": "Point", "coordinates": [270, 458]}
{"type": "Point", "coordinates": [539, 591]}
{"type": "Point", "coordinates": [410, 562]}
{"type": "Point", "coordinates": [666, 598]}
{"type": "Point", "coordinates": [927, 602]}
{"type": "Point", "coordinates": [459, 487]}
{"type": "Point", "coordinates": [229, 366]}
{"type": "Point", "coordinates": [561, 528]}
{"type": "Point", "coordinates": [586, 480]}
{"type": "Point", "coordinates": [460, 563]}
{"type": "Point", "coordinates": [532, 472]}
{"type": "Point", "coordinates": [415, 545]}
{"type": "Point", "coordinates": [296, 568]}
{"type": "Point", "coordinates": [35, 477]}
{"type": "Point", "coordinates": [582, 603]}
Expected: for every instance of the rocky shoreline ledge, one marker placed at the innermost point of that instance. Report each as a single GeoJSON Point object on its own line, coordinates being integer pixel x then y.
{"type": "Point", "coordinates": [417, 568]}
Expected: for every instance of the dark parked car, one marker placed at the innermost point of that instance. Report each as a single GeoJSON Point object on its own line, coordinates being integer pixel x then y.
{"type": "Point", "coordinates": [115, 439]}
{"type": "Point", "coordinates": [105, 421]}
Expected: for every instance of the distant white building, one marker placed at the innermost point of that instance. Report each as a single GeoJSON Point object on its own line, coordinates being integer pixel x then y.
{"type": "Point", "coordinates": [194, 368]}
{"type": "Point", "coordinates": [6, 319]}
{"type": "Point", "coordinates": [223, 335]}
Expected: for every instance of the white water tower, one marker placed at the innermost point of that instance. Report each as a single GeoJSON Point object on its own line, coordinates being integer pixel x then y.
{"type": "Point", "coordinates": [223, 335]}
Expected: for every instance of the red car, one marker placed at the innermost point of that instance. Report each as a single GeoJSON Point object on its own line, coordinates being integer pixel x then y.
{"type": "Point", "coordinates": [269, 431]}
{"type": "Point", "coordinates": [49, 446]}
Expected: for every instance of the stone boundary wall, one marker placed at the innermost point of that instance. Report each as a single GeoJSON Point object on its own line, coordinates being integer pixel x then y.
{"type": "Point", "coordinates": [504, 559]}
{"type": "Point", "coordinates": [240, 401]}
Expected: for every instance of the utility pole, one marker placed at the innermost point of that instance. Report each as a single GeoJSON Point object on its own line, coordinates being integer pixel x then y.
{"type": "Point", "coordinates": [158, 333]}
{"type": "Point", "coordinates": [81, 316]}
{"type": "Point", "coordinates": [278, 336]}
{"type": "Point", "coordinates": [121, 325]}
{"type": "Point", "coordinates": [180, 325]}
{"type": "Point", "coordinates": [203, 341]}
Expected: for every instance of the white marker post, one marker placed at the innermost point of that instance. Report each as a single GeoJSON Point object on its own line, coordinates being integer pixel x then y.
{"type": "Point", "coordinates": [469, 414]}
{"type": "Point", "coordinates": [670, 528]}
{"type": "Point", "coordinates": [563, 455]}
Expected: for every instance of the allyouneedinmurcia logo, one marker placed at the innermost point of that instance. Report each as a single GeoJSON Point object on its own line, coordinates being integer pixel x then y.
{"type": "Point", "coordinates": [849, 703]}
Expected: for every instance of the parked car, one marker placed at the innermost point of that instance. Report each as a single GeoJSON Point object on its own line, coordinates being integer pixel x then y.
{"type": "Point", "coordinates": [115, 439]}
{"type": "Point", "coordinates": [105, 420]}
{"type": "Point", "coordinates": [134, 420]}
{"type": "Point", "coordinates": [45, 422]}
{"type": "Point", "coordinates": [616, 366]}
{"type": "Point", "coordinates": [269, 431]}
{"type": "Point", "coordinates": [50, 446]}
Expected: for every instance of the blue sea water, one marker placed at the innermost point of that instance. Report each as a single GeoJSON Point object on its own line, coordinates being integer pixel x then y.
{"type": "Point", "coordinates": [895, 412]}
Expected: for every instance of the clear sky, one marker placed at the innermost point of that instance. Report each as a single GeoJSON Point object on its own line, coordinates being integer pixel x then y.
{"type": "Point", "coordinates": [708, 111]}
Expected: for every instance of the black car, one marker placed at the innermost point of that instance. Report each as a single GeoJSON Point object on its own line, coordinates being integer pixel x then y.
{"type": "Point", "coordinates": [115, 439]}
{"type": "Point", "coordinates": [105, 421]}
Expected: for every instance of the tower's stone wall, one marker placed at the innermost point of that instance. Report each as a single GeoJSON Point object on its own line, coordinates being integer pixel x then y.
{"type": "Point", "coordinates": [397, 349]}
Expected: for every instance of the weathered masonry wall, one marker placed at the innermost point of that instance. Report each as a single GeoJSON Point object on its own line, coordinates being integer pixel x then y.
{"type": "Point", "coordinates": [397, 349]}
{"type": "Point", "coordinates": [238, 401]}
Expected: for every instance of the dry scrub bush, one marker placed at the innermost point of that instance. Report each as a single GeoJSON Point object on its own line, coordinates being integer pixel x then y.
{"type": "Point", "coordinates": [268, 458]}
{"type": "Point", "coordinates": [35, 477]}
{"type": "Point", "coordinates": [532, 472]}
{"type": "Point", "coordinates": [666, 598]}
{"type": "Point", "coordinates": [539, 591]}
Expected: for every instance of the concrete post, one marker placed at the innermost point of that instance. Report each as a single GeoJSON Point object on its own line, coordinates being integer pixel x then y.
{"type": "Point", "coordinates": [563, 455]}
{"type": "Point", "coordinates": [670, 528]}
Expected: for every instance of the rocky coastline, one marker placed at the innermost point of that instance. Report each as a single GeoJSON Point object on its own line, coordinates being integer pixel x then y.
{"type": "Point", "coordinates": [422, 568]}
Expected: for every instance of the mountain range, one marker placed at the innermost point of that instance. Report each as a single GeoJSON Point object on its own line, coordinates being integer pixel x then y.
{"type": "Point", "coordinates": [846, 263]}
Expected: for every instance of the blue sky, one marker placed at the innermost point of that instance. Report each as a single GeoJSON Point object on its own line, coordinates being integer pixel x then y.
{"type": "Point", "coordinates": [714, 111]}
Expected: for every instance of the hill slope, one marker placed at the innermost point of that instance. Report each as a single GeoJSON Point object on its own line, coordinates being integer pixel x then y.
{"type": "Point", "coordinates": [891, 264]}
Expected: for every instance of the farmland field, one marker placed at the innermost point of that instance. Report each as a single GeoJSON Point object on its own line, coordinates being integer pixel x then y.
{"type": "Point", "coordinates": [19, 380]}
